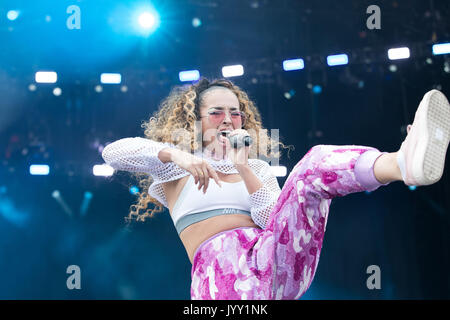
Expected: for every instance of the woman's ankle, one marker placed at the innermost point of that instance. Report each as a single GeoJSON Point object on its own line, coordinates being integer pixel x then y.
{"type": "Point", "coordinates": [386, 169]}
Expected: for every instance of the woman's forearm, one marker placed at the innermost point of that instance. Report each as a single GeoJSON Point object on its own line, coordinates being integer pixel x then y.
{"type": "Point", "coordinates": [165, 155]}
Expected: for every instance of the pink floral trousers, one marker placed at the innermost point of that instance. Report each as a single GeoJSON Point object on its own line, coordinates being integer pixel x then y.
{"type": "Point", "coordinates": [280, 261]}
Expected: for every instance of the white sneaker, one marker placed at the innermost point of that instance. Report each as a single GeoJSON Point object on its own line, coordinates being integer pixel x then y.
{"type": "Point", "coordinates": [421, 157]}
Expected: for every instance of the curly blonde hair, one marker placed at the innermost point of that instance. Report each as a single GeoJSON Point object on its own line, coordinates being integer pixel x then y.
{"type": "Point", "coordinates": [179, 111]}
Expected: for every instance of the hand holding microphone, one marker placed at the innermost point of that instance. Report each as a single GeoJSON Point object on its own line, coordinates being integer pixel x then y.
{"type": "Point", "coordinates": [238, 140]}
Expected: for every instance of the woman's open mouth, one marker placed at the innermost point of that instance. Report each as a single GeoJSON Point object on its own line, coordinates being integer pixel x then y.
{"type": "Point", "coordinates": [222, 136]}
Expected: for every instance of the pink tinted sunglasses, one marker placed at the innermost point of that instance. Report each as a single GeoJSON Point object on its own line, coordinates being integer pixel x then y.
{"type": "Point", "coordinates": [217, 116]}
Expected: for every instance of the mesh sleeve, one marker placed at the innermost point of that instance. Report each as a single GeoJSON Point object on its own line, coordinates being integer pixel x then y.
{"type": "Point", "coordinates": [136, 155]}
{"type": "Point", "coordinates": [264, 199]}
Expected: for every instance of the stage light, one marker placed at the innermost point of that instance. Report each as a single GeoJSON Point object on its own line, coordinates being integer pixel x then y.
{"type": "Point", "coordinates": [134, 190]}
{"type": "Point", "coordinates": [289, 94]}
{"type": "Point", "coordinates": [46, 77]}
{"type": "Point", "coordinates": [32, 87]}
{"type": "Point", "coordinates": [399, 53]}
{"type": "Point", "coordinates": [233, 71]}
{"type": "Point", "coordinates": [147, 20]}
{"type": "Point", "coordinates": [317, 89]}
{"type": "Point", "coordinates": [441, 48]}
{"type": "Point", "coordinates": [293, 64]}
{"type": "Point", "coordinates": [337, 60]}
{"type": "Point", "coordinates": [85, 204]}
{"type": "Point", "coordinates": [124, 88]}
{"type": "Point", "coordinates": [196, 22]}
{"type": "Point", "coordinates": [412, 188]}
{"type": "Point", "coordinates": [98, 88]}
{"type": "Point", "coordinates": [57, 196]}
{"type": "Point", "coordinates": [111, 78]}
{"type": "Point", "coordinates": [39, 169]}
{"type": "Point", "coordinates": [103, 170]}
{"type": "Point", "coordinates": [393, 68]}
{"type": "Point", "coordinates": [57, 91]}
{"type": "Point", "coordinates": [190, 75]}
{"type": "Point", "coordinates": [12, 15]}
{"type": "Point", "coordinates": [361, 84]}
{"type": "Point", "coordinates": [10, 212]}
{"type": "Point", "coordinates": [278, 171]}
{"type": "Point", "coordinates": [447, 67]}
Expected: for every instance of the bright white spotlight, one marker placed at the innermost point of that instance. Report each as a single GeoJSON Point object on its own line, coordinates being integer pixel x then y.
{"type": "Point", "coordinates": [39, 169]}
{"type": "Point", "coordinates": [46, 77]}
{"type": "Point", "coordinates": [103, 170]}
{"type": "Point", "coordinates": [12, 15]}
{"type": "Point", "coordinates": [337, 60]}
{"type": "Point", "coordinates": [278, 171]}
{"type": "Point", "coordinates": [112, 78]}
{"type": "Point", "coordinates": [233, 71]}
{"type": "Point", "coordinates": [398, 53]}
{"type": "Point", "coordinates": [98, 88]}
{"type": "Point", "coordinates": [441, 48]}
{"type": "Point", "coordinates": [57, 91]}
{"type": "Point", "coordinates": [293, 64]}
{"type": "Point", "coordinates": [196, 22]}
{"type": "Point", "coordinates": [190, 75]}
{"type": "Point", "coordinates": [147, 20]}
{"type": "Point", "coordinates": [32, 87]}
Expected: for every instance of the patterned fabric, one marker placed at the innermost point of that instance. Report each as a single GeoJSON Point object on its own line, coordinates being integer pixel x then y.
{"type": "Point", "coordinates": [141, 155]}
{"type": "Point", "coordinates": [280, 261]}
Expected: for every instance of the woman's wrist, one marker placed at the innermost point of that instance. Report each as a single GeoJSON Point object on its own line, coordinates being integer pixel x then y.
{"type": "Point", "coordinates": [243, 168]}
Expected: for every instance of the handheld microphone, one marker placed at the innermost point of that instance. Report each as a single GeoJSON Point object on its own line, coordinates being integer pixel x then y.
{"type": "Point", "coordinates": [240, 140]}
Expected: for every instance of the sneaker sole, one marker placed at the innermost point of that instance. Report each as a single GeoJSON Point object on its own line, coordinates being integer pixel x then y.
{"type": "Point", "coordinates": [432, 146]}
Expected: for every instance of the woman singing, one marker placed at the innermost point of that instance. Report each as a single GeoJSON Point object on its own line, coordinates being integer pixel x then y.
{"type": "Point", "coordinates": [245, 237]}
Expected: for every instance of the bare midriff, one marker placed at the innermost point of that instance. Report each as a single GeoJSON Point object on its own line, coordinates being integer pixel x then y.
{"type": "Point", "coordinates": [197, 233]}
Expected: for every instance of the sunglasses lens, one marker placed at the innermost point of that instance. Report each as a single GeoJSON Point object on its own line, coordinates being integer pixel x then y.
{"type": "Point", "coordinates": [216, 116]}
{"type": "Point", "coordinates": [236, 117]}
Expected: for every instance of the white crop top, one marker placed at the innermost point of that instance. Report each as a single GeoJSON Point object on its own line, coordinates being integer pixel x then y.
{"type": "Point", "coordinates": [141, 155]}
{"type": "Point", "coordinates": [191, 200]}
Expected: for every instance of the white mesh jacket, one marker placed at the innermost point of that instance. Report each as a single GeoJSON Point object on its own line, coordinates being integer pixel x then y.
{"type": "Point", "coordinates": [141, 155]}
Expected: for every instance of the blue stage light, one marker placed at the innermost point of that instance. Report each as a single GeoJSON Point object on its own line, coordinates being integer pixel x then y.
{"type": "Point", "coordinates": [39, 169]}
{"type": "Point", "coordinates": [190, 75]}
{"type": "Point", "coordinates": [293, 64]}
{"type": "Point", "coordinates": [148, 21]}
{"type": "Point", "coordinates": [111, 78]}
{"type": "Point", "coordinates": [317, 89]}
{"type": "Point", "coordinates": [412, 188]}
{"type": "Point", "coordinates": [12, 15]}
{"type": "Point", "coordinates": [337, 60]}
{"type": "Point", "coordinates": [196, 22]}
{"type": "Point", "coordinates": [134, 190]}
{"type": "Point", "coordinates": [441, 48]}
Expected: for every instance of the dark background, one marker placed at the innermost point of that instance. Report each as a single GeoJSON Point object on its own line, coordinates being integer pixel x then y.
{"type": "Point", "coordinates": [405, 232]}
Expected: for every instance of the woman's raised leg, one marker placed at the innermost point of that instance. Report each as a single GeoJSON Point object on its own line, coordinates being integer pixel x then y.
{"type": "Point", "coordinates": [297, 223]}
